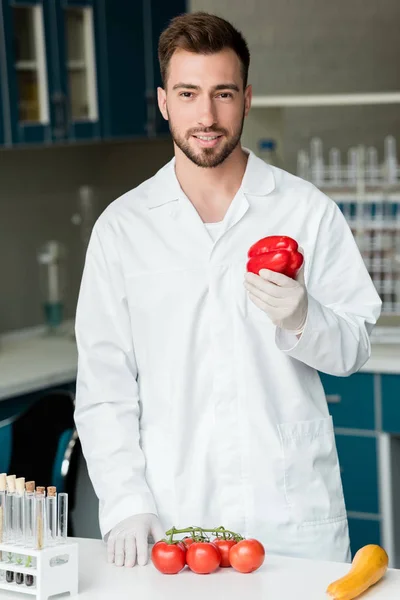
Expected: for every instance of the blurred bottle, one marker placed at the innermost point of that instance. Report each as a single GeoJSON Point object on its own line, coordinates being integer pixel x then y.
{"type": "Point", "coordinates": [51, 258]}
{"type": "Point", "coordinates": [268, 153]}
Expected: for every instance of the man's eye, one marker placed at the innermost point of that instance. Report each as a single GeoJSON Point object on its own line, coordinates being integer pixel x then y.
{"type": "Point", "coordinates": [226, 95]}
{"type": "Point", "coordinates": [186, 94]}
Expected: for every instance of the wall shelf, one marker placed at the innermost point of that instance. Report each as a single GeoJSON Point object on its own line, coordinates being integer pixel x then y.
{"type": "Point", "coordinates": [297, 101]}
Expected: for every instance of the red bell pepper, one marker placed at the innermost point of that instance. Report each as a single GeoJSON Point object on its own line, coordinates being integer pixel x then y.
{"type": "Point", "coordinates": [277, 253]}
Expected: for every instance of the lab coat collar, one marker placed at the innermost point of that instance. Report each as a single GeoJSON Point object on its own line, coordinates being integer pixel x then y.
{"type": "Point", "coordinates": [258, 180]}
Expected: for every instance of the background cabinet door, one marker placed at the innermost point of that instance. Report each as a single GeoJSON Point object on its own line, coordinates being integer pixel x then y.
{"type": "Point", "coordinates": [119, 23]}
{"type": "Point", "coordinates": [363, 532]}
{"type": "Point", "coordinates": [159, 13]}
{"type": "Point", "coordinates": [2, 94]}
{"type": "Point", "coordinates": [27, 31]}
{"type": "Point", "coordinates": [359, 471]}
{"type": "Point", "coordinates": [391, 403]}
{"type": "Point", "coordinates": [76, 94]}
{"type": "Point", "coordinates": [351, 400]}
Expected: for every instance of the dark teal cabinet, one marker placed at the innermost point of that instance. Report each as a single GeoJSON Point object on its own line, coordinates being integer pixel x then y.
{"type": "Point", "coordinates": [75, 70]}
{"type": "Point", "coordinates": [157, 16]}
{"type": "Point", "coordinates": [363, 532]}
{"type": "Point", "coordinates": [51, 74]}
{"type": "Point", "coordinates": [391, 403]}
{"type": "Point", "coordinates": [2, 89]}
{"type": "Point", "coordinates": [351, 400]}
{"type": "Point", "coordinates": [122, 80]}
{"type": "Point", "coordinates": [359, 471]}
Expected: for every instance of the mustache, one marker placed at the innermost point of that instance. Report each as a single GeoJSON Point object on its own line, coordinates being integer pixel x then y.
{"type": "Point", "coordinates": [207, 130]}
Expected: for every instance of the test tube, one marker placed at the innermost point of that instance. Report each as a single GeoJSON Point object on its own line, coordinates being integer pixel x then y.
{"type": "Point", "coordinates": [29, 514]}
{"type": "Point", "coordinates": [29, 523]}
{"type": "Point", "coordinates": [3, 487]}
{"type": "Point", "coordinates": [317, 162]}
{"type": "Point", "coordinates": [10, 508]}
{"type": "Point", "coordinates": [39, 519]}
{"type": "Point", "coordinates": [62, 518]}
{"type": "Point", "coordinates": [51, 516]}
{"type": "Point", "coordinates": [18, 524]}
{"type": "Point", "coordinates": [334, 166]}
{"type": "Point", "coordinates": [352, 158]}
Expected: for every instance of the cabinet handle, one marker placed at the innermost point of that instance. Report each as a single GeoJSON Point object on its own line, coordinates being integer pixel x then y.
{"type": "Point", "coordinates": [60, 110]}
{"type": "Point", "coordinates": [333, 398]}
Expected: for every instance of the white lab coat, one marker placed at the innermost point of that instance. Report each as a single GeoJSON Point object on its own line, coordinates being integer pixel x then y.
{"type": "Point", "coordinates": [190, 403]}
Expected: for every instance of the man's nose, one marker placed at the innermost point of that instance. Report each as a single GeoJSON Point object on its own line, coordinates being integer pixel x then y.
{"type": "Point", "coordinates": [207, 115]}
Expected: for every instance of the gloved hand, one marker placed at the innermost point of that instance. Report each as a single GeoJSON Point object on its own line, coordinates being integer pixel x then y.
{"type": "Point", "coordinates": [129, 540]}
{"type": "Point", "coordinates": [283, 299]}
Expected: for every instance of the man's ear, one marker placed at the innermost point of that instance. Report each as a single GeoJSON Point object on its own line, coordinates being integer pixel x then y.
{"type": "Point", "coordinates": [162, 102]}
{"type": "Point", "coordinates": [248, 94]}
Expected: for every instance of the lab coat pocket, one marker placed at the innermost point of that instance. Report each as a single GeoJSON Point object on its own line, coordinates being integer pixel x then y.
{"type": "Point", "coordinates": [313, 486]}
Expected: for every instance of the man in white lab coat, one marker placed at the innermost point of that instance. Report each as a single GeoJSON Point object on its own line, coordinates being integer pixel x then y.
{"type": "Point", "coordinates": [198, 395]}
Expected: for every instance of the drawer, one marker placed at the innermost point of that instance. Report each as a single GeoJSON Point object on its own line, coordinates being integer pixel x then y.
{"type": "Point", "coordinates": [351, 400]}
{"type": "Point", "coordinates": [358, 466]}
{"type": "Point", "coordinates": [363, 532]}
{"type": "Point", "coordinates": [391, 403]}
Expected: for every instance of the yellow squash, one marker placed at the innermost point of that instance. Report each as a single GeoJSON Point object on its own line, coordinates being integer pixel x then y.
{"type": "Point", "coordinates": [369, 566]}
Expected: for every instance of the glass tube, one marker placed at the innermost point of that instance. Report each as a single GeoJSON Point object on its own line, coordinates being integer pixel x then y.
{"type": "Point", "coordinates": [62, 518]}
{"type": "Point", "coordinates": [2, 517]}
{"type": "Point", "coordinates": [51, 517]}
{"type": "Point", "coordinates": [39, 520]}
{"type": "Point", "coordinates": [10, 518]}
{"type": "Point", "coordinates": [18, 515]}
{"type": "Point", "coordinates": [30, 511]}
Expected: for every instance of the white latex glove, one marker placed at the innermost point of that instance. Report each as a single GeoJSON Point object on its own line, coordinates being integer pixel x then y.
{"type": "Point", "coordinates": [128, 540]}
{"type": "Point", "coordinates": [283, 299]}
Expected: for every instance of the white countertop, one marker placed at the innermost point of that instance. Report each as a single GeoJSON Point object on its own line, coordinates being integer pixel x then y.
{"type": "Point", "coordinates": [278, 579]}
{"type": "Point", "coordinates": [30, 360]}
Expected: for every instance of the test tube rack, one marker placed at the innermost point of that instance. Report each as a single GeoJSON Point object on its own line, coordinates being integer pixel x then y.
{"type": "Point", "coordinates": [55, 572]}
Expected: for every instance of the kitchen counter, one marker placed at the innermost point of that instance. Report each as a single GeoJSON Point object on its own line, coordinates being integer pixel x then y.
{"type": "Point", "coordinates": [30, 360]}
{"type": "Point", "coordinates": [278, 579]}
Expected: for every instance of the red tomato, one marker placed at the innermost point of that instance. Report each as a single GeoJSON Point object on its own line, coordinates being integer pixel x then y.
{"type": "Point", "coordinates": [203, 557]}
{"type": "Point", "coordinates": [188, 541]}
{"type": "Point", "coordinates": [224, 546]}
{"type": "Point", "coordinates": [247, 555]}
{"type": "Point", "coordinates": [169, 558]}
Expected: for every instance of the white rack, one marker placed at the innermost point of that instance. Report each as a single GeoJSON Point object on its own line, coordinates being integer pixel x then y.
{"type": "Point", "coordinates": [55, 570]}
{"type": "Point", "coordinates": [368, 193]}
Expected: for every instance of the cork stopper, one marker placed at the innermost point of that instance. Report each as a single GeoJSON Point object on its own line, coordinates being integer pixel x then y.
{"type": "Point", "coordinates": [30, 487]}
{"type": "Point", "coordinates": [51, 491]}
{"type": "Point", "coordinates": [20, 483]}
{"type": "Point", "coordinates": [3, 482]}
{"type": "Point", "coordinates": [40, 489]}
{"type": "Point", "coordinates": [11, 483]}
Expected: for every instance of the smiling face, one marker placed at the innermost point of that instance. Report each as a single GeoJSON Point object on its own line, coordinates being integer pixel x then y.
{"type": "Point", "coordinates": [205, 104]}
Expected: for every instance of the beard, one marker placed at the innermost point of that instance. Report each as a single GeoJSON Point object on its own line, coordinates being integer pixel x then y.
{"type": "Point", "coordinates": [207, 157]}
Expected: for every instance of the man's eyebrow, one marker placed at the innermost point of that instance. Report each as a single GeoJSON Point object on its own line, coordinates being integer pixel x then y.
{"type": "Point", "coordinates": [216, 88]}
{"type": "Point", "coordinates": [226, 86]}
{"type": "Point", "coordinates": [187, 86]}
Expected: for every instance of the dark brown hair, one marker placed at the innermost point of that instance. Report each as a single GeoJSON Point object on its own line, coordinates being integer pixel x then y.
{"type": "Point", "coordinates": [201, 33]}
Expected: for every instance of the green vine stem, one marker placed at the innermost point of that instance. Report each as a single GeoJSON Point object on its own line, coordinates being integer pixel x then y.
{"type": "Point", "coordinates": [199, 534]}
